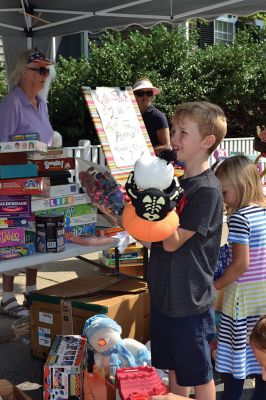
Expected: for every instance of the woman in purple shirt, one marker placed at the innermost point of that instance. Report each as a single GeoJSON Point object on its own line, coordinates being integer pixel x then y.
{"type": "Point", "coordinates": [24, 111]}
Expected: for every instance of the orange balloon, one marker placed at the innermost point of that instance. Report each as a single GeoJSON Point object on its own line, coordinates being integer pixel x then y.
{"type": "Point", "coordinates": [148, 231]}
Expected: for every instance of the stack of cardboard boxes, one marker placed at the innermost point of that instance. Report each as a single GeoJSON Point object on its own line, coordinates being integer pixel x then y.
{"type": "Point", "coordinates": [34, 180]}
{"type": "Point", "coordinates": [62, 309]}
{"type": "Point", "coordinates": [18, 181]}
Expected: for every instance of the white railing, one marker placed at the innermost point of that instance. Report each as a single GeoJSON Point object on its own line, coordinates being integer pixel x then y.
{"type": "Point", "coordinates": [95, 154]}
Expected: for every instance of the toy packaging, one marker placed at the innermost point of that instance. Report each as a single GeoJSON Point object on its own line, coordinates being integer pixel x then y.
{"type": "Point", "coordinates": [32, 186]}
{"type": "Point", "coordinates": [64, 368]}
{"type": "Point", "coordinates": [138, 383]}
{"type": "Point", "coordinates": [26, 145]}
{"type": "Point", "coordinates": [100, 185]}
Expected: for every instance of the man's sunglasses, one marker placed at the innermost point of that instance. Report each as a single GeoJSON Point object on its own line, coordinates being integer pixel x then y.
{"type": "Point", "coordinates": [141, 93]}
{"type": "Point", "coordinates": [42, 70]}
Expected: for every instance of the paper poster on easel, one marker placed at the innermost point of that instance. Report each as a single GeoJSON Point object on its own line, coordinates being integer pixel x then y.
{"type": "Point", "coordinates": [119, 126]}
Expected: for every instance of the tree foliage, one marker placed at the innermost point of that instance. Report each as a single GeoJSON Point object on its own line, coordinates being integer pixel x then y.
{"type": "Point", "coordinates": [233, 76]}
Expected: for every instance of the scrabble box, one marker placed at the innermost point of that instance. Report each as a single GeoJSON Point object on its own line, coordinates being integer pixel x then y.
{"type": "Point", "coordinates": [64, 368]}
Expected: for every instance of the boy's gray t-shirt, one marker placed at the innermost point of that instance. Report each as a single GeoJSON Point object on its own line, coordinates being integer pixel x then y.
{"type": "Point", "coordinates": [181, 282]}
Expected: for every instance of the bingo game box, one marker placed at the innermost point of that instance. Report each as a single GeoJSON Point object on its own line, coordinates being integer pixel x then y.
{"type": "Point", "coordinates": [64, 368]}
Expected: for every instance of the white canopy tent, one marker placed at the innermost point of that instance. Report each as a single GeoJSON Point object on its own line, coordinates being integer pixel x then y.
{"type": "Point", "coordinates": [28, 23]}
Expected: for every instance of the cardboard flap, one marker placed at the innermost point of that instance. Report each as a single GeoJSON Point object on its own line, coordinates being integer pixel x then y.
{"type": "Point", "coordinates": [128, 286]}
{"type": "Point", "coordinates": [82, 286]}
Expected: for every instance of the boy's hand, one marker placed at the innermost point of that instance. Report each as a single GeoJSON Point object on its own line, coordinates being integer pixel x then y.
{"type": "Point", "coordinates": [177, 239]}
{"type": "Point", "coordinates": [112, 218]}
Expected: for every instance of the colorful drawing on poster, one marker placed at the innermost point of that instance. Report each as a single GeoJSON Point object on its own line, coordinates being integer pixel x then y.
{"type": "Point", "coordinates": [119, 126]}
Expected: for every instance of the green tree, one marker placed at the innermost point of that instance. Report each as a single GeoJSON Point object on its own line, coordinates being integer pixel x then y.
{"type": "Point", "coordinates": [3, 83]}
{"type": "Point", "coordinates": [233, 76]}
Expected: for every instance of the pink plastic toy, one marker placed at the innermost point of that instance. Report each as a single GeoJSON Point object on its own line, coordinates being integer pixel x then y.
{"type": "Point", "coordinates": [138, 383]}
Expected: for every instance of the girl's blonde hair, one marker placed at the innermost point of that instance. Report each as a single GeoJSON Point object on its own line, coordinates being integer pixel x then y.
{"type": "Point", "coordinates": [244, 177]}
{"type": "Point", "coordinates": [20, 66]}
{"type": "Point", "coordinates": [258, 334]}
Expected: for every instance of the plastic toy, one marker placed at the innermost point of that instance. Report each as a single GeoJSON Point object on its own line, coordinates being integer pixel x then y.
{"type": "Point", "coordinates": [138, 383]}
{"type": "Point", "coordinates": [153, 190]}
{"type": "Point", "coordinates": [110, 350]}
{"type": "Point", "coordinates": [100, 186]}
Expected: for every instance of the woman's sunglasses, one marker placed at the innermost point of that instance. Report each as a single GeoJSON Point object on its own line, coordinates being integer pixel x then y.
{"type": "Point", "coordinates": [42, 70]}
{"type": "Point", "coordinates": [141, 93]}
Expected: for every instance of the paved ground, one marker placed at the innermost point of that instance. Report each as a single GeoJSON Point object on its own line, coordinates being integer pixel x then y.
{"type": "Point", "coordinates": [16, 363]}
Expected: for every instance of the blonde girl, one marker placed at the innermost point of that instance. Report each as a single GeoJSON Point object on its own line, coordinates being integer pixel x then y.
{"type": "Point", "coordinates": [244, 279]}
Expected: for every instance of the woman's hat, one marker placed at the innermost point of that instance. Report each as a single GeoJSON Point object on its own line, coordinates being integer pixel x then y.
{"type": "Point", "coordinates": [39, 59]}
{"type": "Point", "coordinates": [145, 84]}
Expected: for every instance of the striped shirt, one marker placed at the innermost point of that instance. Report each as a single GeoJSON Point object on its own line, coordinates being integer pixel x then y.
{"type": "Point", "coordinates": [244, 299]}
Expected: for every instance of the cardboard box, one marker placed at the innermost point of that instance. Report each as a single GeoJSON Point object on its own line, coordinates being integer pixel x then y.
{"type": "Point", "coordinates": [57, 202]}
{"type": "Point", "coordinates": [97, 387]}
{"type": "Point", "coordinates": [57, 164]}
{"type": "Point", "coordinates": [9, 222]}
{"type": "Point", "coordinates": [24, 136]}
{"type": "Point", "coordinates": [63, 309]}
{"type": "Point", "coordinates": [7, 253]}
{"type": "Point", "coordinates": [31, 186]}
{"type": "Point", "coordinates": [64, 190]}
{"type": "Point", "coordinates": [12, 171]}
{"type": "Point", "coordinates": [12, 237]}
{"type": "Point", "coordinates": [27, 145]}
{"type": "Point", "coordinates": [52, 153]}
{"type": "Point", "coordinates": [63, 374]}
{"type": "Point", "coordinates": [15, 206]}
{"type": "Point", "coordinates": [79, 230]}
{"type": "Point", "coordinates": [13, 158]}
{"type": "Point", "coordinates": [11, 392]}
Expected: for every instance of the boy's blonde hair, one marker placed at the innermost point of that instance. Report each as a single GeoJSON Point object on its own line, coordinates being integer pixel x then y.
{"type": "Point", "coordinates": [20, 66]}
{"type": "Point", "coordinates": [258, 334]}
{"type": "Point", "coordinates": [210, 118]}
{"type": "Point", "coordinates": [244, 176]}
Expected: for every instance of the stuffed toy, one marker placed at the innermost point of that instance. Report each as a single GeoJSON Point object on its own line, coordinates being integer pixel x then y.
{"type": "Point", "coordinates": [153, 190]}
{"type": "Point", "coordinates": [110, 350]}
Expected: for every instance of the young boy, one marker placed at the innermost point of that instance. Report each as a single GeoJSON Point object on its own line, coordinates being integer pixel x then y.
{"type": "Point", "coordinates": [180, 271]}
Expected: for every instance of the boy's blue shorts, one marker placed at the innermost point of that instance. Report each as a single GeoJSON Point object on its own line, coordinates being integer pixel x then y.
{"type": "Point", "coordinates": [182, 344]}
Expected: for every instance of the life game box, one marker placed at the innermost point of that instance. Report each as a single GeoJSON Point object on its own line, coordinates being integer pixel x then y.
{"type": "Point", "coordinates": [64, 368]}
